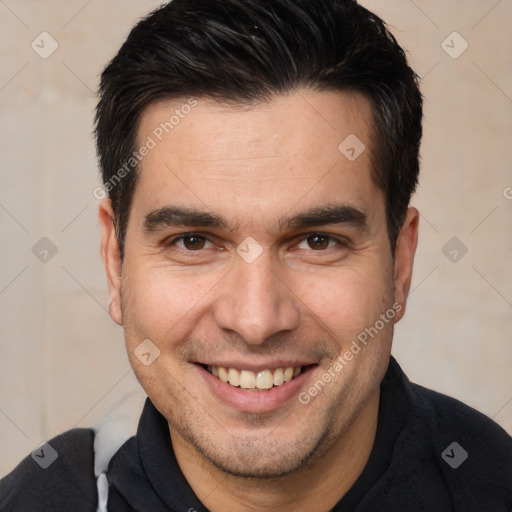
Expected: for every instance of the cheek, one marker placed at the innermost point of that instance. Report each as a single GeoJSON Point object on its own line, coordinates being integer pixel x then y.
{"type": "Point", "coordinates": [345, 301]}
{"type": "Point", "coordinates": [161, 304]}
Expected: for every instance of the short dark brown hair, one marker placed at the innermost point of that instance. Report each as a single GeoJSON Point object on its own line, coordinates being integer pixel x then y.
{"type": "Point", "coordinates": [247, 51]}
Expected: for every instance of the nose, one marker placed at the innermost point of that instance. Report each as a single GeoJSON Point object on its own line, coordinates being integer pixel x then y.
{"type": "Point", "coordinates": [255, 302]}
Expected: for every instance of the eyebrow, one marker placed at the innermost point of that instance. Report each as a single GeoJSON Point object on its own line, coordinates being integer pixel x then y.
{"type": "Point", "coordinates": [330, 214]}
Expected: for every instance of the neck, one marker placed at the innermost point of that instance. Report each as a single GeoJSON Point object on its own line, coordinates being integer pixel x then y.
{"type": "Point", "coordinates": [319, 486]}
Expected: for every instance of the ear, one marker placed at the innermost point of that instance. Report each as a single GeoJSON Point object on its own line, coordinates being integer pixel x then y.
{"type": "Point", "coordinates": [404, 257]}
{"type": "Point", "coordinates": [111, 259]}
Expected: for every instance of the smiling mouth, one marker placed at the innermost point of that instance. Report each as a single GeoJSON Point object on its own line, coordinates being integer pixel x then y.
{"type": "Point", "coordinates": [263, 380]}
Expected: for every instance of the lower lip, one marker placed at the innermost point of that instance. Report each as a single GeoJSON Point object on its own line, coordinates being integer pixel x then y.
{"type": "Point", "coordinates": [255, 401]}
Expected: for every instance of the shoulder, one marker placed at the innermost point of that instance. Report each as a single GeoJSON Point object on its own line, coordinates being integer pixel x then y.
{"type": "Point", "coordinates": [455, 418]}
{"type": "Point", "coordinates": [58, 475]}
{"type": "Point", "coordinates": [473, 453]}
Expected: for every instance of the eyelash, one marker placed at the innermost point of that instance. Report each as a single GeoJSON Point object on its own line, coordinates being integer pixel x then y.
{"type": "Point", "coordinates": [173, 240]}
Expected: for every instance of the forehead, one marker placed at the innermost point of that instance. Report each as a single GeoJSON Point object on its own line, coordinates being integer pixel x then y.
{"type": "Point", "coordinates": [307, 147]}
{"type": "Point", "coordinates": [285, 125]}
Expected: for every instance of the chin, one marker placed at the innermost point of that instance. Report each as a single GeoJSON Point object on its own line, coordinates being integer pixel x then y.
{"type": "Point", "coordinates": [261, 457]}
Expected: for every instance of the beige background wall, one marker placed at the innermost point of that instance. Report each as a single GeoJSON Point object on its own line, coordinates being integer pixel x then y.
{"type": "Point", "coordinates": [62, 359]}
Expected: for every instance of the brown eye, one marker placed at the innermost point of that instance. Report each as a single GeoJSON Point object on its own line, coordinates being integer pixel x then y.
{"type": "Point", "coordinates": [318, 242]}
{"type": "Point", "coordinates": [321, 242]}
{"type": "Point", "coordinates": [193, 242]}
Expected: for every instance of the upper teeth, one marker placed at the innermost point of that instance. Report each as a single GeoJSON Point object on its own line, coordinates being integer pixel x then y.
{"type": "Point", "coordinates": [247, 379]}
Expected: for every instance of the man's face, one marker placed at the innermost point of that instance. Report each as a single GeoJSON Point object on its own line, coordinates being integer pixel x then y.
{"type": "Point", "coordinates": [300, 269]}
